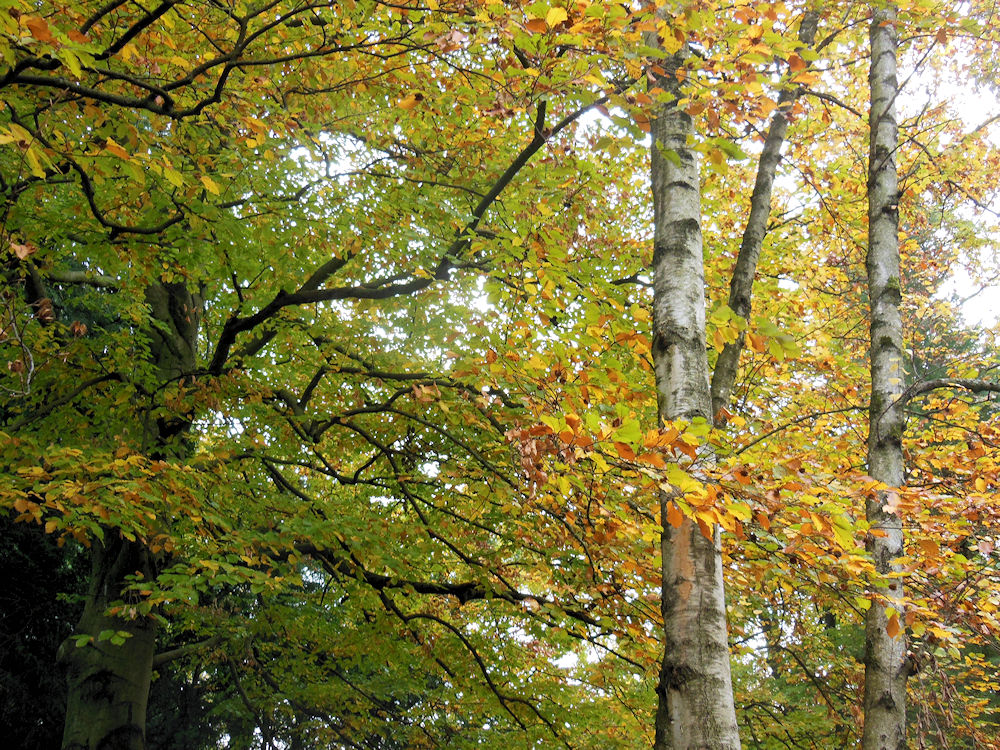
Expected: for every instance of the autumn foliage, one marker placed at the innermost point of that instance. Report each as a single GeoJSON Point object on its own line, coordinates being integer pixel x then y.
{"type": "Point", "coordinates": [327, 378]}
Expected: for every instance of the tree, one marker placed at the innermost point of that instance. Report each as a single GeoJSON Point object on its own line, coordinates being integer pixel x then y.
{"type": "Point", "coordinates": [326, 338]}
{"type": "Point", "coordinates": [886, 665]}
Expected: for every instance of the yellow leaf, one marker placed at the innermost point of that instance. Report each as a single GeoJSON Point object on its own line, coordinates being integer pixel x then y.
{"type": "Point", "coordinates": [210, 185]}
{"type": "Point", "coordinates": [173, 176]}
{"type": "Point", "coordinates": [555, 16]}
{"type": "Point", "coordinates": [410, 101]}
{"type": "Point", "coordinates": [34, 164]}
{"type": "Point", "coordinates": [51, 526]}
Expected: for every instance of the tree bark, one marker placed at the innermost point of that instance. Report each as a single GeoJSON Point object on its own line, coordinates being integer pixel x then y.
{"type": "Point", "coordinates": [885, 654]}
{"type": "Point", "coordinates": [741, 284]}
{"type": "Point", "coordinates": [108, 684]}
{"type": "Point", "coordinates": [695, 697]}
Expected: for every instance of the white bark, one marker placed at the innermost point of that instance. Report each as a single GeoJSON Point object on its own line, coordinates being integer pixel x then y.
{"type": "Point", "coordinates": [885, 656]}
{"type": "Point", "coordinates": [695, 697]}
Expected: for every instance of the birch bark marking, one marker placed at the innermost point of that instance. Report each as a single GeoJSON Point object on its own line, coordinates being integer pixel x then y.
{"type": "Point", "coordinates": [695, 697]}
{"type": "Point", "coordinates": [885, 656]}
{"type": "Point", "coordinates": [741, 285]}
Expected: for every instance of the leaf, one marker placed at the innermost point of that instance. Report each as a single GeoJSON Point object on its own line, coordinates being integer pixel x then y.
{"type": "Point", "coordinates": [23, 250]}
{"type": "Point", "coordinates": [630, 431]}
{"type": "Point", "coordinates": [625, 451]}
{"type": "Point", "coordinates": [706, 530]}
{"type": "Point", "coordinates": [39, 28]}
{"type": "Point", "coordinates": [410, 101]}
{"type": "Point", "coordinates": [174, 177]}
{"type": "Point", "coordinates": [892, 627]}
{"type": "Point", "coordinates": [555, 16]}
{"type": "Point", "coordinates": [536, 26]}
{"type": "Point", "coordinates": [115, 148]}
{"type": "Point", "coordinates": [796, 63]}
{"type": "Point", "coordinates": [209, 184]}
{"type": "Point", "coordinates": [34, 163]}
{"type": "Point", "coordinates": [674, 515]}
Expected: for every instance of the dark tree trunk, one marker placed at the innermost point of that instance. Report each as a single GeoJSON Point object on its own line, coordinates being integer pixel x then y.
{"type": "Point", "coordinates": [109, 678]}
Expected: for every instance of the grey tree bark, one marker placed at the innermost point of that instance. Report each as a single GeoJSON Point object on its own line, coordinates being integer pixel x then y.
{"type": "Point", "coordinates": [695, 706]}
{"type": "Point", "coordinates": [885, 654]}
{"type": "Point", "coordinates": [741, 284]}
{"type": "Point", "coordinates": [108, 684]}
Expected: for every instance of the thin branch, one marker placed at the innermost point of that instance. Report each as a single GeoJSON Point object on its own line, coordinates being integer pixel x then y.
{"type": "Point", "coordinates": [926, 386]}
{"type": "Point", "coordinates": [186, 650]}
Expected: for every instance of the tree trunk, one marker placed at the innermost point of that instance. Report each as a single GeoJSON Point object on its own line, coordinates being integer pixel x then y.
{"type": "Point", "coordinates": [109, 679]}
{"type": "Point", "coordinates": [108, 683]}
{"type": "Point", "coordinates": [741, 284]}
{"type": "Point", "coordinates": [695, 697]}
{"type": "Point", "coordinates": [885, 644]}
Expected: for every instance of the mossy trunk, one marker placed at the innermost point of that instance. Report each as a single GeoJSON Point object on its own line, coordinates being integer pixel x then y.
{"type": "Point", "coordinates": [108, 678]}
{"type": "Point", "coordinates": [109, 659]}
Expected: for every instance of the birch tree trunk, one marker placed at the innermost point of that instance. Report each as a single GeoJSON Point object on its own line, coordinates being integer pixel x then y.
{"type": "Point", "coordinates": [695, 698]}
{"type": "Point", "coordinates": [885, 644]}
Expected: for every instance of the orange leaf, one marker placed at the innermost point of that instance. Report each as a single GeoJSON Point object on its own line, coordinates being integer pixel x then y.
{"type": "Point", "coordinates": [115, 148]}
{"type": "Point", "coordinates": [536, 26]}
{"type": "Point", "coordinates": [706, 530]}
{"type": "Point", "coordinates": [674, 516]}
{"type": "Point", "coordinates": [654, 459]}
{"type": "Point", "coordinates": [892, 628]}
{"type": "Point", "coordinates": [625, 451]}
{"type": "Point", "coordinates": [757, 342]}
{"type": "Point", "coordinates": [796, 63]}
{"type": "Point", "coordinates": [928, 546]}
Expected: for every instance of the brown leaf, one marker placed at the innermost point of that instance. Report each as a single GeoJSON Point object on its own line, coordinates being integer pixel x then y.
{"type": "Point", "coordinates": [22, 251]}
{"type": "Point", "coordinates": [45, 312]}
{"type": "Point", "coordinates": [536, 26]}
{"type": "Point", "coordinates": [39, 28]}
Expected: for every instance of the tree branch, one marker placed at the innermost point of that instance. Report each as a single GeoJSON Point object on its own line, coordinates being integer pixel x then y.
{"type": "Point", "coordinates": [926, 386]}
